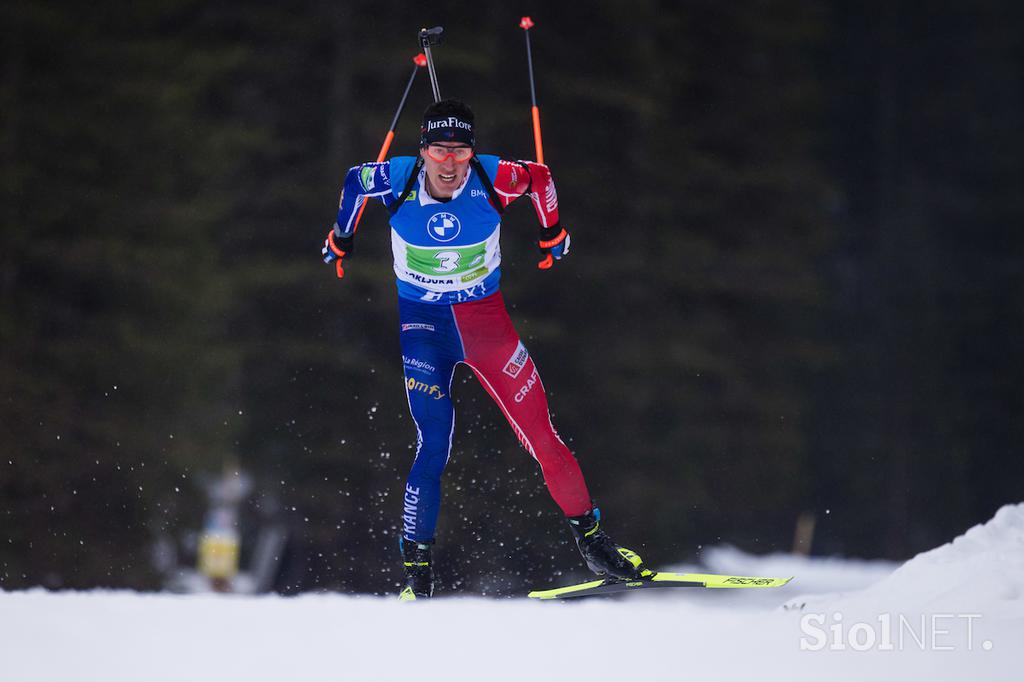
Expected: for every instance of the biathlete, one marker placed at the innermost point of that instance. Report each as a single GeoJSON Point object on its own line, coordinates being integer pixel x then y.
{"type": "Point", "coordinates": [445, 208]}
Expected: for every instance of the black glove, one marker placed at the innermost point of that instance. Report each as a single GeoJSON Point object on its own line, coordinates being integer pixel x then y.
{"type": "Point", "coordinates": [554, 243]}
{"type": "Point", "coordinates": [337, 248]}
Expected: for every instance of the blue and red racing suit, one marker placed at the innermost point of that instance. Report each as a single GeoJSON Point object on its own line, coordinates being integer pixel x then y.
{"type": "Point", "coordinates": [447, 262]}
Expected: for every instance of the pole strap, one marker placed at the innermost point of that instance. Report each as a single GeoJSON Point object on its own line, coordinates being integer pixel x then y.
{"type": "Point", "coordinates": [486, 181]}
{"type": "Point", "coordinates": [413, 175]}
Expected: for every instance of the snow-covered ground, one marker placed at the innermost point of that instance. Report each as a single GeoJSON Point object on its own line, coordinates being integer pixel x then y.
{"type": "Point", "coordinates": [954, 613]}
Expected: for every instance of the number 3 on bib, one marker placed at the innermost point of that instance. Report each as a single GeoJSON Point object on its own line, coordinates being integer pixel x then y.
{"type": "Point", "coordinates": [449, 261]}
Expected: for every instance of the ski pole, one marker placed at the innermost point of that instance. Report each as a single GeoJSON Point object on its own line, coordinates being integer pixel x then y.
{"type": "Point", "coordinates": [526, 23]}
{"type": "Point", "coordinates": [428, 37]}
{"type": "Point", "coordinates": [419, 60]}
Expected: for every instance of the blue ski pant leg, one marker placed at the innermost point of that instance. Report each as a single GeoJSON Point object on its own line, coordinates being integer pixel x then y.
{"type": "Point", "coordinates": [431, 349]}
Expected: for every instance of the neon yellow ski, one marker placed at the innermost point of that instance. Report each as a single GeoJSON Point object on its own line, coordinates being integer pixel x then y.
{"type": "Point", "coordinates": [716, 581]}
{"type": "Point", "coordinates": [610, 585]}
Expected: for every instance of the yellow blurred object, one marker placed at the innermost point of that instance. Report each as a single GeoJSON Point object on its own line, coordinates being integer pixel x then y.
{"type": "Point", "coordinates": [218, 555]}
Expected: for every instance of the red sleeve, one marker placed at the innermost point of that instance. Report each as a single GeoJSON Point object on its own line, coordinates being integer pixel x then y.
{"type": "Point", "coordinates": [516, 178]}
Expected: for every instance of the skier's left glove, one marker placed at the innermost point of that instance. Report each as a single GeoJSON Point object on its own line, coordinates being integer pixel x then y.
{"type": "Point", "coordinates": [554, 244]}
{"type": "Point", "coordinates": [337, 248]}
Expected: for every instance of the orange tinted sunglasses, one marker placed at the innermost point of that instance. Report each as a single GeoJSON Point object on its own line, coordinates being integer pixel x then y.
{"type": "Point", "coordinates": [440, 153]}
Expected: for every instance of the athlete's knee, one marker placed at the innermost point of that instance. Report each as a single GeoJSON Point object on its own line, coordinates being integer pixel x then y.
{"type": "Point", "coordinates": [557, 456]}
{"type": "Point", "coordinates": [436, 444]}
{"type": "Point", "coordinates": [428, 467]}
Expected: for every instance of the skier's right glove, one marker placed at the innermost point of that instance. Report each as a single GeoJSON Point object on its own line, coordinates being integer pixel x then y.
{"type": "Point", "coordinates": [336, 248]}
{"type": "Point", "coordinates": [554, 243]}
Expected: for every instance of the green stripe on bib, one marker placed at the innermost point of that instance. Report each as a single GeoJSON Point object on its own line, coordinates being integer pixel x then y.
{"type": "Point", "coordinates": [452, 260]}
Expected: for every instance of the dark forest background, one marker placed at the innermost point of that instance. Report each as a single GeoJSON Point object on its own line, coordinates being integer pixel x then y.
{"type": "Point", "coordinates": [795, 285]}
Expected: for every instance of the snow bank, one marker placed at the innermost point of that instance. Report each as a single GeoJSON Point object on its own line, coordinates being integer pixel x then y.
{"type": "Point", "coordinates": [983, 569]}
{"type": "Point", "coordinates": [680, 634]}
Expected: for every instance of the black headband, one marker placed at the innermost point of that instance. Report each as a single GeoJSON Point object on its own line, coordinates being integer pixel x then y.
{"type": "Point", "coordinates": [446, 129]}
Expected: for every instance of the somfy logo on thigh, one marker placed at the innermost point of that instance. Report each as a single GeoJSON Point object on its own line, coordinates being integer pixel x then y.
{"type": "Point", "coordinates": [444, 227]}
{"type": "Point", "coordinates": [417, 385]}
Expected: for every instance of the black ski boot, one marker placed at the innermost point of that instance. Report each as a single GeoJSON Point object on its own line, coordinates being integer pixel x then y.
{"type": "Point", "coordinates": [602, 555]}
{"type": "Point", "coordinates": [419, 576]}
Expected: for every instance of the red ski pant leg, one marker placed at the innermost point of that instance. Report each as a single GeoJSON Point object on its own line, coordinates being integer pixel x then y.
{"type": "Point", "coordinates": [506, 370]}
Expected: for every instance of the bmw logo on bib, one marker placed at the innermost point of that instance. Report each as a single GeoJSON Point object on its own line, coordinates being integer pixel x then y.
{"type": "Point", "coordinates": [444, 227]}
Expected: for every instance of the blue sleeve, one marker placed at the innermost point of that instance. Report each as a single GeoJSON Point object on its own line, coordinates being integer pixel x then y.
{"type": "Point", "coordinates": [364, 180]}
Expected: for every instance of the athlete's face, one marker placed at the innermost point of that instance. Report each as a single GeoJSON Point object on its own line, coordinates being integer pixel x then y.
{"type": "Point", "coordinates": [446, 164]}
